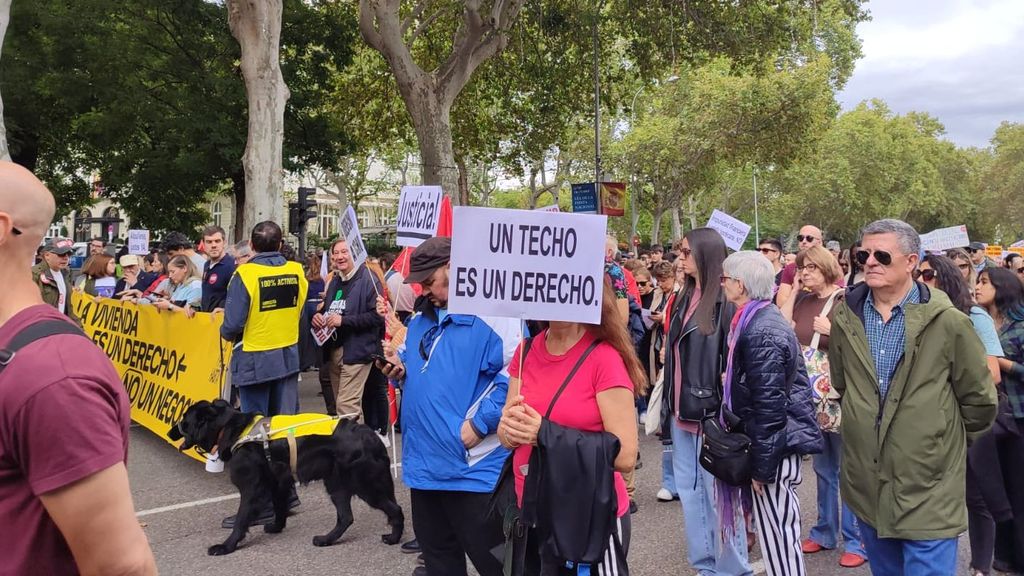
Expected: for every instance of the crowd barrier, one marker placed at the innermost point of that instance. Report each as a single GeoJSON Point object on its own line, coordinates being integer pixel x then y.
{"type": "Point", "coordinates": [166, 360]}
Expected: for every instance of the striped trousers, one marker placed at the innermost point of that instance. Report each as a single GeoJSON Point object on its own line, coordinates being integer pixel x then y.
{"type": "Point", "coordinates": [777, 516]}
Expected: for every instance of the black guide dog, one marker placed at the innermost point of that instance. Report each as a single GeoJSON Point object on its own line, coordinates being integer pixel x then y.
{"type": "Point", "coordinates": [351, 462]}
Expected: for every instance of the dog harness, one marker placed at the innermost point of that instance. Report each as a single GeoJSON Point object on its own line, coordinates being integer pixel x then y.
{"type": "Point", "coordinates": [264, 429]}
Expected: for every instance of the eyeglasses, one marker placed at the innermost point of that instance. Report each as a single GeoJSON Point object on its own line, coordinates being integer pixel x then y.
{"type": "Point", "coordinates": [15, 231]}
{"type": "Point", "coordinates": [810, 267]}
{"type": "Point", "coordinates": [974, 250]}
{"type": "Point", "coordinates": [766, 250]}
{"type": "Point", "coordinates": [642, 283]}
{"type": "Point", "coordinates": [926, 275]}
{"type": "Point", "coordinates": [1020, 270]}
{"type": "Point", "coordinates": [685, 252]}
{"type": "Point", "coordinates": [883, 258]}
{"type": "Point", "coordinates": [802, 238]}
{"type": "Point", "coordinates": [722, 279]}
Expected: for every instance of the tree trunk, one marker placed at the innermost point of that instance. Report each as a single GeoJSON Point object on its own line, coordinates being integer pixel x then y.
{"type": "Point", "coordinates": [693, 211]}
{"type": "Point", "coordinates": [256, 25]}
{"type": "Point", "coordinates": [463, 181]}
{"type": "Point", "coordinates": [238, 191]}
{"type": "Point", "coordinates": [659, 211]}
{"type": "Point", "coordinates": [433, 126]}
{"type": "Point", "coordinates": [5, 19]}
{"type": "Point", "coordinates": [677, 227]}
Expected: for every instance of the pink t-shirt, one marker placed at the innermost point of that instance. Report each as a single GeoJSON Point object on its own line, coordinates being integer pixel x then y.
{"type": "Point", "coordinates": [577, 407]}
{"type": "Point", "coordinates": [64, 416]}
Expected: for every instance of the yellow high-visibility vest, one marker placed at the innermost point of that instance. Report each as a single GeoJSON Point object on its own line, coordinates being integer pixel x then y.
{"type": "Point", "coordinates": [276, 297]}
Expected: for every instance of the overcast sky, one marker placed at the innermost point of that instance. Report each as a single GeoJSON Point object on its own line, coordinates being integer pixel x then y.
{"type": "Point", "coordinates": [962, 61]}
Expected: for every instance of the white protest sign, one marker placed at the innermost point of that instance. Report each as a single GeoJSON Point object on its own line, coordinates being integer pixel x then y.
{"type": "Point", "coordinates": [349, 227]}
{"type": "Point", "coordinates": [733, 231]}
{"type": "Point", "coordinates": [527, 264]}
{"type": "Point", "coordinates": [138, 242]}
{"type": "Point", "coordinates": [945, 238]}
{"type": "Point", "coordinates": [552, 208]}
{"type": "Point", "coordinates": [321, 335]}
{"type": "Point", "coordinates": [419, 211]}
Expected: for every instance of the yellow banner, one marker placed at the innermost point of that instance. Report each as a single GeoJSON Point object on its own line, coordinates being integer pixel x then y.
{"type": "Point", "coordinates": [166, 360]}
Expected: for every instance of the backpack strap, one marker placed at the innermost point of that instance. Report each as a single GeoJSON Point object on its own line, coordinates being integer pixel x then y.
{"type": "Point", "coordinates": [33, 332]}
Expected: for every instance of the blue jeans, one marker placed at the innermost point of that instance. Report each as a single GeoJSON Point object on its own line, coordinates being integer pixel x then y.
{"type": "Point", "coordinates": [271, 398]}
{"type": "Point", "coordinates": [893, 557]}
{"type": "Point", "coordinates": [707, 551]}
{"type": "Point", "coordinates": [668, 479]}
{"type": "Point", "coordinates": [826, 532]}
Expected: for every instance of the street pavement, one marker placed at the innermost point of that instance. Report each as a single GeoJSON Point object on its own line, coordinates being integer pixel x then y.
{"type": "Point", "coordinates": [181, 507]}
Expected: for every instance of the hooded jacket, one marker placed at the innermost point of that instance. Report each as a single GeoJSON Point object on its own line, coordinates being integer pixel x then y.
{"type": "Point", "coordinates": [362, 329]}
{"type": "Point", "coordinates": [904, 461]}
{"type": "Point", "coordinates": [772, 395]}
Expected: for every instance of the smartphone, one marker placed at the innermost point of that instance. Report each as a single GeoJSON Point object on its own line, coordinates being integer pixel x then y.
{"type": "Point", "coordinates": [381, 359]}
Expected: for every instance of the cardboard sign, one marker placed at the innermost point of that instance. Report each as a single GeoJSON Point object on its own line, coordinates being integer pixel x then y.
{"type": "Point", "coordinates": [584, 198]}
{"type": "Point", "coordinates": [419, 211]}
{"type": "Point", "coordinates": [349, 227]}
{"type": "Point", "coordinates": [945, 238]}
{"type": "Point", "coordinates": [138, 242]}
{"type": "Point", "coordinates": [613, 198]}
{"type": "Point", "coordinates": [733, 231]}
{"type": "Point", "coordinates": [552, 208]}
{"type": "Point", "coordinates": [527, 264]}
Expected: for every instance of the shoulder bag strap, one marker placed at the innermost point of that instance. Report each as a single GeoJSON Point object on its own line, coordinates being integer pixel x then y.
{"type": "Point", "coordinates": [568, 378]}
{"type": "Point", "coordinates": [33, 332]}
{"type": "Point", "coordinates": [824, 312]}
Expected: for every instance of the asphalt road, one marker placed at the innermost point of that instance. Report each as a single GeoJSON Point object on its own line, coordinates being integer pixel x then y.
{"type": "Point", "coordinates": [181, 506]}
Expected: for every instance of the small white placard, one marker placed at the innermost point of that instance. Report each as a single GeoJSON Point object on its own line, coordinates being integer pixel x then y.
{"type": "Point", "coordinates": [527, 264]}
{"type": "Point", "coordinates": [349, 227]}
{"type": "Point", "coordinates": [733, 231]}
{"type": "Point", "coordinates": [138, 242]}
{"type": "Point", "coordinates": [419, 211]}
{"type": "Point", "coordinates": [945, 238]}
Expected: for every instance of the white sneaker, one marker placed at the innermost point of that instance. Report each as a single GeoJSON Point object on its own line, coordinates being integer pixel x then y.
{"type": "Point", "coordinates": [666, 496]}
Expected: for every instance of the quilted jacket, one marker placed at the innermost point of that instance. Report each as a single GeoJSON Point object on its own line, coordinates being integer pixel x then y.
{"type": "Point", "coordinates": [772, 395]}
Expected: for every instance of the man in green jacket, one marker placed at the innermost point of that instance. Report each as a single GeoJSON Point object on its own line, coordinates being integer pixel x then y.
{"type": "Point", "coordinates": [53, 277]}
{"type": "Point", "coordinates": [914, 386]}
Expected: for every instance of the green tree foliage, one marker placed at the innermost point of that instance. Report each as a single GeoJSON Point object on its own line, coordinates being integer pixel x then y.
{"type": "Point", "coordinates": [147, 94]}
{"type": "Point", "coordinates": [874, 164]}
{"type": "Point", "coordinates": [1001, 186]}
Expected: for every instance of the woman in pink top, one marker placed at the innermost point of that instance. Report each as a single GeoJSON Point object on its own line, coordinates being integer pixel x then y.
{"type": "Point", "coordinates": [599, 397]}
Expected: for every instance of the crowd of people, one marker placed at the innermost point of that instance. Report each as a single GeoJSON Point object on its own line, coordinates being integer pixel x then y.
{"type": "Point", "coordinates": [885, 365]}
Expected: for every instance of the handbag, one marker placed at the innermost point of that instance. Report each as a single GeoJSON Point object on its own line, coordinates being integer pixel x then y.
{"type": "Point", "coordinates": [725, 448]}
{"type": "Point", "coordinates": [826, 400]}
{"type": "Point", "coordinates": [653, 422]}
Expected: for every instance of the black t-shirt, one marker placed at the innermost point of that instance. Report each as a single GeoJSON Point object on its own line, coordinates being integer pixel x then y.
{"type": "Point", "coordinates": [215, 282]}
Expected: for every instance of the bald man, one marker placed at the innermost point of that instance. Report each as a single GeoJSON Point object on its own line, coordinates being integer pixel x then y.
{"type": "Point", "coordinates": [808, 236]}
{"type": "Point", "coordinates": [64, 416]}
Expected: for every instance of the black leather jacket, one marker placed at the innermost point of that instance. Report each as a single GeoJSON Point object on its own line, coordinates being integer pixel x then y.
{"type": "Point", "coordinates": [703, 362]}
{"type": "Point", "coordinates": [771, 394]}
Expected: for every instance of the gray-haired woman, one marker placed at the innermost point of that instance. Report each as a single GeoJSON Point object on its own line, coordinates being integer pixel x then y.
{"type": "Point", "coordinates": [767, 388]}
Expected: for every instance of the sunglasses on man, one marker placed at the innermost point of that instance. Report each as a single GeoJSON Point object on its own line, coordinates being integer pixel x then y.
{"type": "Point", "coordinates": [766, 250]}
{"type": "Point", "coordinates": [802, 238]}
{"type": "Point", "coordinates": [882, 257]}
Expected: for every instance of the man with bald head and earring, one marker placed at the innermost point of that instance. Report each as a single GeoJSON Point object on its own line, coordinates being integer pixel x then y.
{"type": "Point", "coordinates": [64, 418]}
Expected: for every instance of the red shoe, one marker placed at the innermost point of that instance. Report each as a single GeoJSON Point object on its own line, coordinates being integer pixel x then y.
{"type": "Point", "coordinates": [851, 560]}
{"type": "Point", "coordinates": [811, 547]}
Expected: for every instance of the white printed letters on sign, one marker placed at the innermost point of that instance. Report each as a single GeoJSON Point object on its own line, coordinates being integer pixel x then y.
{"type": "Point", "coordinates": [527, 264]}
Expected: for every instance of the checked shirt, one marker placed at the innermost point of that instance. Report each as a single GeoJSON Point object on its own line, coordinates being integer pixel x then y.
{"type": "Point", "coordinates": [887, 339]}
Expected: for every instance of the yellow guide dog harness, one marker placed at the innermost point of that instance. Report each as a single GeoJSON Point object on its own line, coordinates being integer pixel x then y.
{"type": "Point", "coordinates": [264, 429]}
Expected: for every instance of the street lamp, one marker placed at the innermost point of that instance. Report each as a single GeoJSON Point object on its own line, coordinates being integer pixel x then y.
{"type": "Point", "coordinates": [632, 120]}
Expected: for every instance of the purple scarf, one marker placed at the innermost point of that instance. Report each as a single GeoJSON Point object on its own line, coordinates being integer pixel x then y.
{"type": "Point", "coordinates": [726, 495]}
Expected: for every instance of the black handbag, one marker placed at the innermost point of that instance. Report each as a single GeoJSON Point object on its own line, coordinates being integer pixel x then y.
{"type": "Point", "coordinates": [725, 450]}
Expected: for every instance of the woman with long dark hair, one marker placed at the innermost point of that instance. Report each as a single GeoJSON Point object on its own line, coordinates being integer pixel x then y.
{"type": "Point", "coordinates": [1001, 293]}
{"type": "Point", "coordinates": [987, 500]}
{"type": "Point", "coordinates": [598, 397]}
{"type": "Point", "coordinates": [695, 351]}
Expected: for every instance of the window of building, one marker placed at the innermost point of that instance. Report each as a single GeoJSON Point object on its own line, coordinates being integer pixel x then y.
{"type": "Point", "coordinates": [216, 212]}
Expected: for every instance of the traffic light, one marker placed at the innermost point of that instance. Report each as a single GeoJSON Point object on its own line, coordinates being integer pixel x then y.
{"type": "Point", "coordinates": [307, 204]}
{"type": "Point", "coordinates": [293, 218]}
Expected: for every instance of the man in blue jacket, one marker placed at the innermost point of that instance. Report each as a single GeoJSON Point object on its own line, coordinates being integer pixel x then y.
{"type": "Point", "coordinates": [453, 366]}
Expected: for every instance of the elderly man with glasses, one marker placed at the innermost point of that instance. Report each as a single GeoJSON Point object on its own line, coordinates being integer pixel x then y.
{"type": "Point", "coordinates": [914, 384]}
{"type": "Point", "coordinates": [452, 368]}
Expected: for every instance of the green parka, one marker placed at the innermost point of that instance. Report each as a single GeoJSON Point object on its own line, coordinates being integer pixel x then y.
{"type": "Point", "coordinates": [43, 277]}
{"type": "Point", "coordinates": [904, 466]}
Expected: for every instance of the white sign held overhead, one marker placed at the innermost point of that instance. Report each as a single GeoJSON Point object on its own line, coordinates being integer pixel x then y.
{"type": "Point", "coordinates": [945, 238]}
{"type": "Point", "coordinates": [138, 242]}
{"type": "Point", "coordinates": [733, 231]}
{"type": "Point", "coordinates": [527, 264]}
{"type": "Point", "coordinates": [419, 211]}
{"type": "Point", "coordinates": [349, 227]}
{"type": "Point", "coordinates": [551, 208]}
